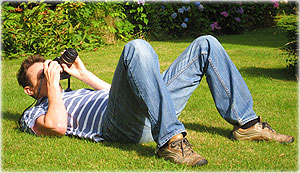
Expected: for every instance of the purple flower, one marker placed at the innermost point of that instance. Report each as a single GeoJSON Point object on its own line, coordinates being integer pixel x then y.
{"type": "Point", "coordinates": [237, 19]}
{"type": "Point", "coordinates": [163, 7]}
{"type": "Point", "coordinates": [240, 10]}
{"type": "Point", "coordinates": [215, 25]}
{"type": "Point", "coordinates": [181, 10]}
{"type": "Point", "coordinates": [212, 26]}
{"type": "Point", "coordinates": [186, 19]}
{"type": "Point", "coordinates": [224, 13]}
{"type": "Point", "coordinates": [183, 25]}
{"type": "Point", "coordinates": [174, 15]}
{"type": "Point", "coordinates": [141, 2]}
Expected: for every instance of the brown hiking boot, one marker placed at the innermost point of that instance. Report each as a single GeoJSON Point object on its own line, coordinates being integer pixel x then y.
{"type": "Point", "coordinates": [180, 151]}
{"type": "Point", "coordinates": [260, 131]}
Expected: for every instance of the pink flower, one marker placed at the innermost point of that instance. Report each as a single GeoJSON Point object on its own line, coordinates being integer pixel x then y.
{"type": "Point", "coordinates": [215, 25]}
{"type": "Point", "coordinates": [141, 2]}
{"type": "Point", "coordinates": [224, 13]}
{"type": "Point", "coordinates": [275, 4]}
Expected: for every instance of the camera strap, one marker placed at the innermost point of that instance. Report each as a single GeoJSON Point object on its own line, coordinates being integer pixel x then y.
{"type": "Point", "coordinates": [35, 100]}
{"type": "Point", "coordinates": [69, 85]}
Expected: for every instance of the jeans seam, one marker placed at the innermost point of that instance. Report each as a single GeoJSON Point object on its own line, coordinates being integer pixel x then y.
{"type": "Point", "coordinates": [225, 88]}
{"type": "Point", "coordinates": [167, 138]}
{"type": "Point", "coordinates": [182, 70]}
{"type": "Point", "coordinates": [133, 78]}
{"type": "Point", "coordinates": [248, 120]}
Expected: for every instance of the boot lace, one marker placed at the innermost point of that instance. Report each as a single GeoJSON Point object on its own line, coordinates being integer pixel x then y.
{"type": "Point", "coordinates": [266, 125]}
{"type": "Point", "coordinates": [185, 146]}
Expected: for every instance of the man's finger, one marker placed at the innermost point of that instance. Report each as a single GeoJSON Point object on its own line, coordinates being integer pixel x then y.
{"type": "Point", "coordinates": [46, 64]}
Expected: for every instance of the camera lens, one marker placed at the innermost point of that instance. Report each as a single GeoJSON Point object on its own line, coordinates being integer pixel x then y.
{"type": "Point", "coordinates": [69, 56]}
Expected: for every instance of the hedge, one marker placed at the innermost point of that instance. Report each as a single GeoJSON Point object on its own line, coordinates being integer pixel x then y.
{"type": "Point", "coordinates": [36, 28]}
{"type": "Point", "coordinates": [48, 28]}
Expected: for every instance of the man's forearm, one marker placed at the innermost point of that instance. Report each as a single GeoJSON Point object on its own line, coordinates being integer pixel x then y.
{"type": "Point", "coordinates": [79, 71]}
{"type": "Point", "coordinates": [93, 81]}
{"type": "Point", "coordinates": [56, 118]}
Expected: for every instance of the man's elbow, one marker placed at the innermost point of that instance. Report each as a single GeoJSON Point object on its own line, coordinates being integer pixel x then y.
{"type": "Point", "coordinates": [49, 127]}
{"type": "Point", "coordinates": [50, 130]}
{"type": "Point", "coordinates": [60, 131]}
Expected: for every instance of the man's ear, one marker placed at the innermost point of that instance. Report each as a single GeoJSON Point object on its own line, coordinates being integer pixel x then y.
{"type": "Point", "coordinates": [28, 90]}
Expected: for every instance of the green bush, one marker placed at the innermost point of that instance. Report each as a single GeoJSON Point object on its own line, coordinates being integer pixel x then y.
{"type": "Point", "coordinates": [48, 28]}
{"type": "Point", "coordinates": [289, 25]}
{"type": "Point", "coordinates": [41, 28]}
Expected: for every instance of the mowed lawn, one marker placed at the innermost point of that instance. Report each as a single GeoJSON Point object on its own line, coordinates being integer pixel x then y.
{"type": "Point", "coordinates": [260, 61]}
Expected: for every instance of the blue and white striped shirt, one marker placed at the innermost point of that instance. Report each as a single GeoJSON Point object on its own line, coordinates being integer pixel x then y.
{"type": "Point", "coordinates": [85, 109]}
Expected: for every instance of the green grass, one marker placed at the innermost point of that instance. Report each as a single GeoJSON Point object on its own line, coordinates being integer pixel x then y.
{"type": "Point", "coordinates": [261, 63]}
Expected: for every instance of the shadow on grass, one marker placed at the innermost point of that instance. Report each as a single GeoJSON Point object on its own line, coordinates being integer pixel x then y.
{"type": "Point", "coordinates": [213, 130]}
{"type": "Point", "coordinates": [13, 117]}
{"type": "Point", "coordinates": [272, 73]}
{"type": "Point", "coordinates": [141, 149]}
{"type": "Point", "coordinates": [149, 151]}
{"type": "Point", "coordinates": [263, 37]}
{"type": "Point", "coordinates": [10, 116]}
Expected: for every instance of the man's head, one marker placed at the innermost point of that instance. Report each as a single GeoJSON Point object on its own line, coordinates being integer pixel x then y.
{"type": "Point", "coordinates": [29, 74]}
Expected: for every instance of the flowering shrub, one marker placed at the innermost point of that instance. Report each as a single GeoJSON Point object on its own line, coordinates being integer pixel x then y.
{"type": "Point", "coordinates": [47, 29]}
{"type": "Point", "coordinates": [197, 18]}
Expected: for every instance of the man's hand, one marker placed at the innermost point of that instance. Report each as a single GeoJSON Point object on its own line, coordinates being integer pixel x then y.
{"type": "Point", "coordinates": [52, 72]}
{"type": "Point", "coordinates": [77, 69]}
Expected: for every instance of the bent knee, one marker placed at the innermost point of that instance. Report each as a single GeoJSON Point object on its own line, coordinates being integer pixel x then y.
{"type": "Point", "coordinates": [137, 43]}
{"type": "Point", "coordinates": [207, 37]}
{"type": "Point", "coordinates": [140, 50]}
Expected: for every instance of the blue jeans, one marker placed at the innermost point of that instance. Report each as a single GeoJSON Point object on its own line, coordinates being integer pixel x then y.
{"type": "Point", "coordinates": [144, 104]}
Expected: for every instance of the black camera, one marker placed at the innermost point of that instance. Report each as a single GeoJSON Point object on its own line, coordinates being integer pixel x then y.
{"type": "Point", "coordinates": [68, 57]}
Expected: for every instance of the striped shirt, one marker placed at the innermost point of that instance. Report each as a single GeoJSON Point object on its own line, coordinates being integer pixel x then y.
{"type": "Point", "coordinates": [85, 109]}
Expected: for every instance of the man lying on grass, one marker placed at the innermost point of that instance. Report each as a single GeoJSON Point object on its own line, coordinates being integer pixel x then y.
{"type": "Point", "coordinates": [141, 104]}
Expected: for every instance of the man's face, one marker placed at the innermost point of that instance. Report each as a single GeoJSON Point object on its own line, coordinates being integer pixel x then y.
{"type": "Point", "coordinates": [34, 75]}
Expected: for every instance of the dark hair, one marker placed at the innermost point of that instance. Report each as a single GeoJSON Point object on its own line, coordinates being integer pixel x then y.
{"type": "Point", "coordinates": [22, 73]}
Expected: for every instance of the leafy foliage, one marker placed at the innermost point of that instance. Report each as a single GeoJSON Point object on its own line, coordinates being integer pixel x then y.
{"type": "Point", "coordinates": [40, 28]}
{"type": "Point", "coordinates": [48, 28]}
{"type": "Point", "coordinates": [289, 25]}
